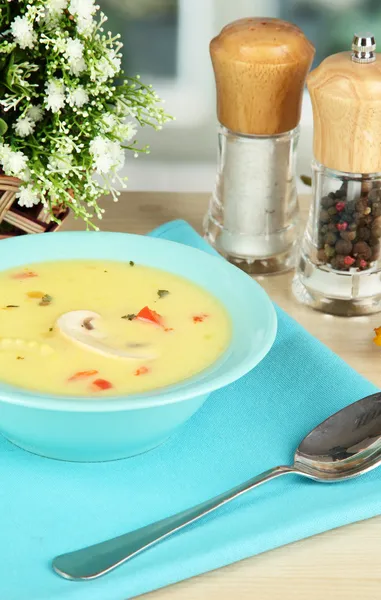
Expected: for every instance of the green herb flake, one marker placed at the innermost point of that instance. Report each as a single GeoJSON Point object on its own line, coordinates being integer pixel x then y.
{"type": "Point", "coordinates": [129, 317]}
{"type": "Point", "coordinates": [12, 306]}
{"type": "Point", "coordinates": [50, 329]}
{"type": "Point", "coordinates": [306, 179]}
{"type": "Point", "coordinates": [131, 263]}
{"type": "Point", "coordinates": [20, 358]}
{"type": "Point", "coordinates": [162, 293]}
{"type": "Point", "coordinates": [45, 300]}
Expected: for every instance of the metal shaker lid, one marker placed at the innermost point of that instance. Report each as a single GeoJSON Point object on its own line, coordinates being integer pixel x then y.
{"type": "Point", "coordinates": [363, 47]}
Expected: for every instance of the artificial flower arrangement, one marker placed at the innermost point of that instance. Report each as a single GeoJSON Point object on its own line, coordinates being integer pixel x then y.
{"type": "Point", "coordinates": [67, 111]}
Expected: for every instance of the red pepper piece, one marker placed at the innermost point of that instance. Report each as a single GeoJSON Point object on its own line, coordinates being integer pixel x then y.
{"type": "Point", "coordinates": [199, 318]}
{"type": "Point", "coordinates": [83, 375]}
{"type": "Point", "coordinates": [101, 384]}
{"type": "Point", "coordinates": [142, 371]}
{"type": "Point", "coordinates": [24, 275]}
{"type": "Point", "coordinates": [151, 316]}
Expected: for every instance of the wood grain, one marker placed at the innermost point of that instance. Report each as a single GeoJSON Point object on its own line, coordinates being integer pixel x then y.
{"type": "Point", "coordinates": [346, 102]}
{"type": "Point", "coordinates": [260, 66]}
{"type": "Point", "coordinates": [343, 564]}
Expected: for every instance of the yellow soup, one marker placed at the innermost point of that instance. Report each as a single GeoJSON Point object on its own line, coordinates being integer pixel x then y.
{"type": "Point", "coordinates": [96, 328]}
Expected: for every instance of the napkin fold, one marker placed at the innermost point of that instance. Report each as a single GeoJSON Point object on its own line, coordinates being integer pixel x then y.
{"type": "Point", "coordinates": [49, 507]}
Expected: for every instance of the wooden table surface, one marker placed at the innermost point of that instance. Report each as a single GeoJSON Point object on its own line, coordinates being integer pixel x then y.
{"type": "Point", "coordinates": [337, 565]}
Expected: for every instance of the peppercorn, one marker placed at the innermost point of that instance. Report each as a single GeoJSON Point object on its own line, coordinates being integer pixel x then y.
{"type": "Point", "coordinates": [332, 211]}
{"type": "Point", "coordinates": [341, 193]}
{"type": "Point", "coordinates": [361, 205]}
{"type": "Point", "coordinates": [352, 227]}
{"type": "Point", "coordinates": [329, 251]}
{"type": "Point", "coordinates": [362, 250]}
{"type": "Point", "coordinates": [376, 209]}
{"type": "Point", "coordinates": [329, 227]}
{"type": "Point", "coordinates": [361, 263]}
{"type": "Point", "coordinates": [375, 252]}
{"type": "Point", "coordinates": [330, 238]}
{"type": "Point", "coordinates": [321, 256]}
{"type": "Point", "coordinates": [357, 217]}
{"type": "Point", "coordinates": [342, 226]}
{"type": "Point", "coordinates": [343, 247]}
{"type": "Point", "coordinates": [368, 220]}
{"type": "Point", "coordinates": [376, 222]}
{"type": "Point", "coordinates": [349, 236]}
{"type": "Point", "coordinates": [374, 196]}
{"type": "Point", "coordinates": [349, 260]}
{"type": "Point", "coordinates": [339, 262]}
{"type": "Point", "coordinates": [327, 202]}
{"type": "Point", "coordinates": [363, 233]}
{"type": "Point", "coordinates": [376, 232]}
{"type": "Point", "coordinates": [332, 195]}
{"type": "Point", "coordinates": [324, 216]}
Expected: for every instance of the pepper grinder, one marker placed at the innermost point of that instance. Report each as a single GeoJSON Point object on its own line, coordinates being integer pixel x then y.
{"type": "Point", "coordinates": [339, 269]}
{"type": "Point", "coordinates": [260, 66]}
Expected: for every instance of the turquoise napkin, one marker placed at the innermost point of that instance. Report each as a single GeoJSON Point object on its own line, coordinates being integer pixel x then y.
{"type": "Point", "coordinates": [49, 507]}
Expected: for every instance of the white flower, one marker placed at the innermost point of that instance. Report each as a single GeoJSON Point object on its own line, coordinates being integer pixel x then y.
{"type": "Point", "coordinates": [14, 163]}
{"type": "Point", "coordinates": [74, 55]}
{"type": "Point", "coordinates": [107, 67]}
{"type": "Point", "coordinates": [24, 126]}
{"type": "Point", "coordinates": [55, 98]}
{"type": "Point", "coordinates": [114, 60]}
{"type": "Point", "coordinates": [5, 152]}
{"type": "Point", "coordinates": [35, 113]}
{"type": "Point", "coordinates": [83, 10]}
{"type": "Point", "coordinates": [128, 131]}
{"type": "Point", "coordinates": [108, 155]}
{"type": "Point", "coordinates": [109, 122]}
{"type": "Point", "coordinates": [77, 97]}
{"type": "Point", "coordinates": [54, 8]}
{"type": "Point", "coordinates": [27, 196]}
{"type": "Point", "coordinates": [17, 163]}
{"type": "Point", "coordinates": [117, 154]}
{"type": "Point", "coordinates": [103, 163]}
{"type": "Point", "coordinates": [59, 163]}
{"type": "Point", "coordinates": [64, 145]}
{"type": "Point", "coordinates": [99, 145]}
{"type": "Point", "coordinates": [22, 31]}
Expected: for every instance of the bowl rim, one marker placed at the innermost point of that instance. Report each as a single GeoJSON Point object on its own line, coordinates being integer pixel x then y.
{"type": "Point", "coordinates": [192, 387]}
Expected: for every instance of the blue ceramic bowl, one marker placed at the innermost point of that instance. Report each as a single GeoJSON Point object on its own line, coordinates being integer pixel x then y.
{"type": "Point", "coordinates": [78, 429]}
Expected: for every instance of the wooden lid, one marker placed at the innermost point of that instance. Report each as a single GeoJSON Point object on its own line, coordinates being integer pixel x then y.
{"type": "Point", "coordinates": [346, 101]}
{"type": "Point", "coordinates": [260, 66]}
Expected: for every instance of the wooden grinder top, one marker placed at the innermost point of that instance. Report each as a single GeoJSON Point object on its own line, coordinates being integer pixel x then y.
{"type": "Point", "coordinates": [346, 100]}
{"type": "Point", "coordinates": [260, 66]}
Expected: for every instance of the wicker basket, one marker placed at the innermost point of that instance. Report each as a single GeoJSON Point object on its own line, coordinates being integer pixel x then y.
{"type": "Point", "coordinates": [18, 220]}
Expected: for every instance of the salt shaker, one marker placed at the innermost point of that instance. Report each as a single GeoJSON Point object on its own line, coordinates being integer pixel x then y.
{"type": "Point", "coordinates": [260, 66]}
{"type": "Point", "coordinates": [339, 270]}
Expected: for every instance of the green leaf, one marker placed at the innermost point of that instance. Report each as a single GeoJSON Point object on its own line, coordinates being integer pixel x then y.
{"type": "Point", "coordinates": [9, 73]}
{"type": "Point", "coordinates": [3, 127]}
{"type": "Point", "coordinates": [3, 62]}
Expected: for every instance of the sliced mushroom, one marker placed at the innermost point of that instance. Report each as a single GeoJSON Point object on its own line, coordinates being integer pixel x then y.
{"type": "Point", "coordinates": [83, 327]}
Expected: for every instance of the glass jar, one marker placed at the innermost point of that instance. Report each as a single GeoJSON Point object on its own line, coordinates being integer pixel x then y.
{"type": "Point", "coordinates": [339, 269]}
{"type": "Point", "coordinates": [253, 216]}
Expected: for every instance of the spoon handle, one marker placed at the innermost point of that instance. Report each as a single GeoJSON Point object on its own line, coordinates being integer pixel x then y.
{"type": "Point", "coordinates": [97, 560]}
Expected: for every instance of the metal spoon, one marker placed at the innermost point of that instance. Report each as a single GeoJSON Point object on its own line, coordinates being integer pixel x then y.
{"type": "Point", "coordinates": [347, 444]}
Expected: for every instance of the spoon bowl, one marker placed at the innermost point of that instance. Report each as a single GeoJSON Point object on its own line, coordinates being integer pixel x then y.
{"type": "Point", "coordinates": [345, 445]}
